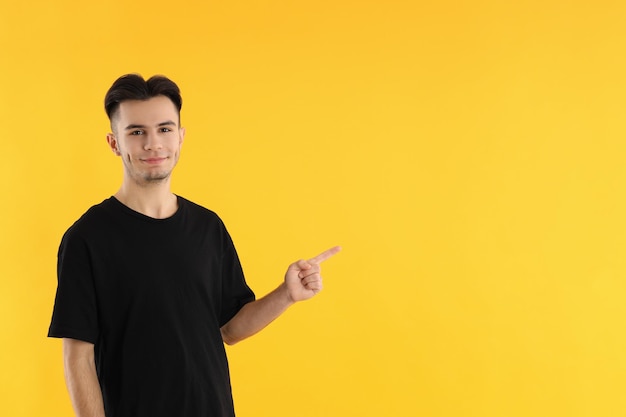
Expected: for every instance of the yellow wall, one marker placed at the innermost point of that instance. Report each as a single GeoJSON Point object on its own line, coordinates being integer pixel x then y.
{"type": "Point", "coordinates": [468, 156]}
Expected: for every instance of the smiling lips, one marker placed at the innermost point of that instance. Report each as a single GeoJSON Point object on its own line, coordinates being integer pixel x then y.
{"type": "Point", "coordinates": [153, 161]}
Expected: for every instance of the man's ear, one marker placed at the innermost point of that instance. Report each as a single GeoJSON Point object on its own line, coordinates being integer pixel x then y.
{"type": "Point", "coordinates": [182, 135]}
{"type": "Point", "coordinates": [113, 143]}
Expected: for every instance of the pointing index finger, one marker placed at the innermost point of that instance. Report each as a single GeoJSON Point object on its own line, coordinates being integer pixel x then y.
{"type": "Point", "coordinates": [325, 255]}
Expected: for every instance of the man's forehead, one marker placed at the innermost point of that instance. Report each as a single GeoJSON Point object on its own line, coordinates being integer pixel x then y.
{"type": "Point", "coordinates": [152, 111]}
{"type": "Point", "coordinates": [158, 104]}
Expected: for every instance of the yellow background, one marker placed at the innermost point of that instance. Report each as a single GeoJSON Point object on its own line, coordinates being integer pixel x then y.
{"type": "Point", "coordinates": [468, 156]}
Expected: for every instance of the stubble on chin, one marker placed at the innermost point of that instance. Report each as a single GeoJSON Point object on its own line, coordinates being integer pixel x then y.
{"type": "Point", "coordinates": [153, 178]}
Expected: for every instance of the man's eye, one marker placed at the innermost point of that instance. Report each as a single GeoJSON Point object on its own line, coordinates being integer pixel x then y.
{"type": "Point", "coordinates": [165, 129]}
{"type": "Point", "coordinates": [136, 132]}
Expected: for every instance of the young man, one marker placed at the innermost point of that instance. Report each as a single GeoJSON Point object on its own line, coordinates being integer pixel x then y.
{"type": "Point", "coordinates": [149, 284]}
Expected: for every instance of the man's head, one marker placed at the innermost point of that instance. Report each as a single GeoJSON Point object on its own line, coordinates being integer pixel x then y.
{"type": "Point", "coordinates": [145, 123]}
{"type": "Point", "coordinates": [134, 87]}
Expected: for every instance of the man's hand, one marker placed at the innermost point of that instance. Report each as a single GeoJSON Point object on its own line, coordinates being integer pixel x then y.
{"type": "Point", "coordinates": [303, 279]}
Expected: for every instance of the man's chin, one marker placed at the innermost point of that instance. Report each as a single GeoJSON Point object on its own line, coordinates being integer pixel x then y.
{"type": "Point", "coordinates": [156, 178]}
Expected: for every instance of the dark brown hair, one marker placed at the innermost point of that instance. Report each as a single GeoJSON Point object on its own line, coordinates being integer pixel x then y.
{"type": "Point", "coordinates": [134, 87]}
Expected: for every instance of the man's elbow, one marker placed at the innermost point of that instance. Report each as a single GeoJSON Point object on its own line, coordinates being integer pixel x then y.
{"type": "Point", "coordinates": [227, 336]}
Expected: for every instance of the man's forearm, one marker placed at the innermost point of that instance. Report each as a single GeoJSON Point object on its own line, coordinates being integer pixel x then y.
{"type": "Point", "coordinates": [82, 380]}
{"type": "Point", "coordinates": [255, 316]}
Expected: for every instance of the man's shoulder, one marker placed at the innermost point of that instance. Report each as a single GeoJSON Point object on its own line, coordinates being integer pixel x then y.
{"type": "Point", "coordinates": [104, 208]}
{"type": "Point", "coordinates": [197, 209]}
{"type": "Point", "coordinates": [201, 218]}
{"type": "Point", "coordinates": [94, 217]}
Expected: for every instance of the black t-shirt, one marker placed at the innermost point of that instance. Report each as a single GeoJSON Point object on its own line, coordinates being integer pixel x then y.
{"type": "Point", "coordinates": [152, 294]}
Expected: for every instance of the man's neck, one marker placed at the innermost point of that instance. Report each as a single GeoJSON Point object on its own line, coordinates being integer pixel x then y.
{"type": "Point", "coordinates": [156, 200]}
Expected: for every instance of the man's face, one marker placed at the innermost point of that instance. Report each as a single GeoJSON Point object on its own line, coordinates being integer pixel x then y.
{"type": "Point", "coordinates": [147, 136]}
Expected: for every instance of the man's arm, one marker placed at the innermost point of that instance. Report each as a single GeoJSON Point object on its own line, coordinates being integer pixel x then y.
{"type": "Point", "coordinates": [81, 378]}
{"type": "Point", "coordinates": [302, 281]}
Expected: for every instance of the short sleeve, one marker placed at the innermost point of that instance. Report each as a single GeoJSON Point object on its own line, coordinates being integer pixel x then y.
{"type": "Point", "coordinates": [75, 313]}
{"type": "Point", "coordinates": [235, 291]}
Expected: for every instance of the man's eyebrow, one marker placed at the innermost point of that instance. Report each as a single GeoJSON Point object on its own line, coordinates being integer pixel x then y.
{"type": "Point", "coordinates": [134, 126]}
{"type": "Point", "coordinates": [131, 126]}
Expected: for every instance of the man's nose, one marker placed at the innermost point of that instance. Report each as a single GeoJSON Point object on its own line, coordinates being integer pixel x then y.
{"type": "Point", "coordinates": [152, 141]}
